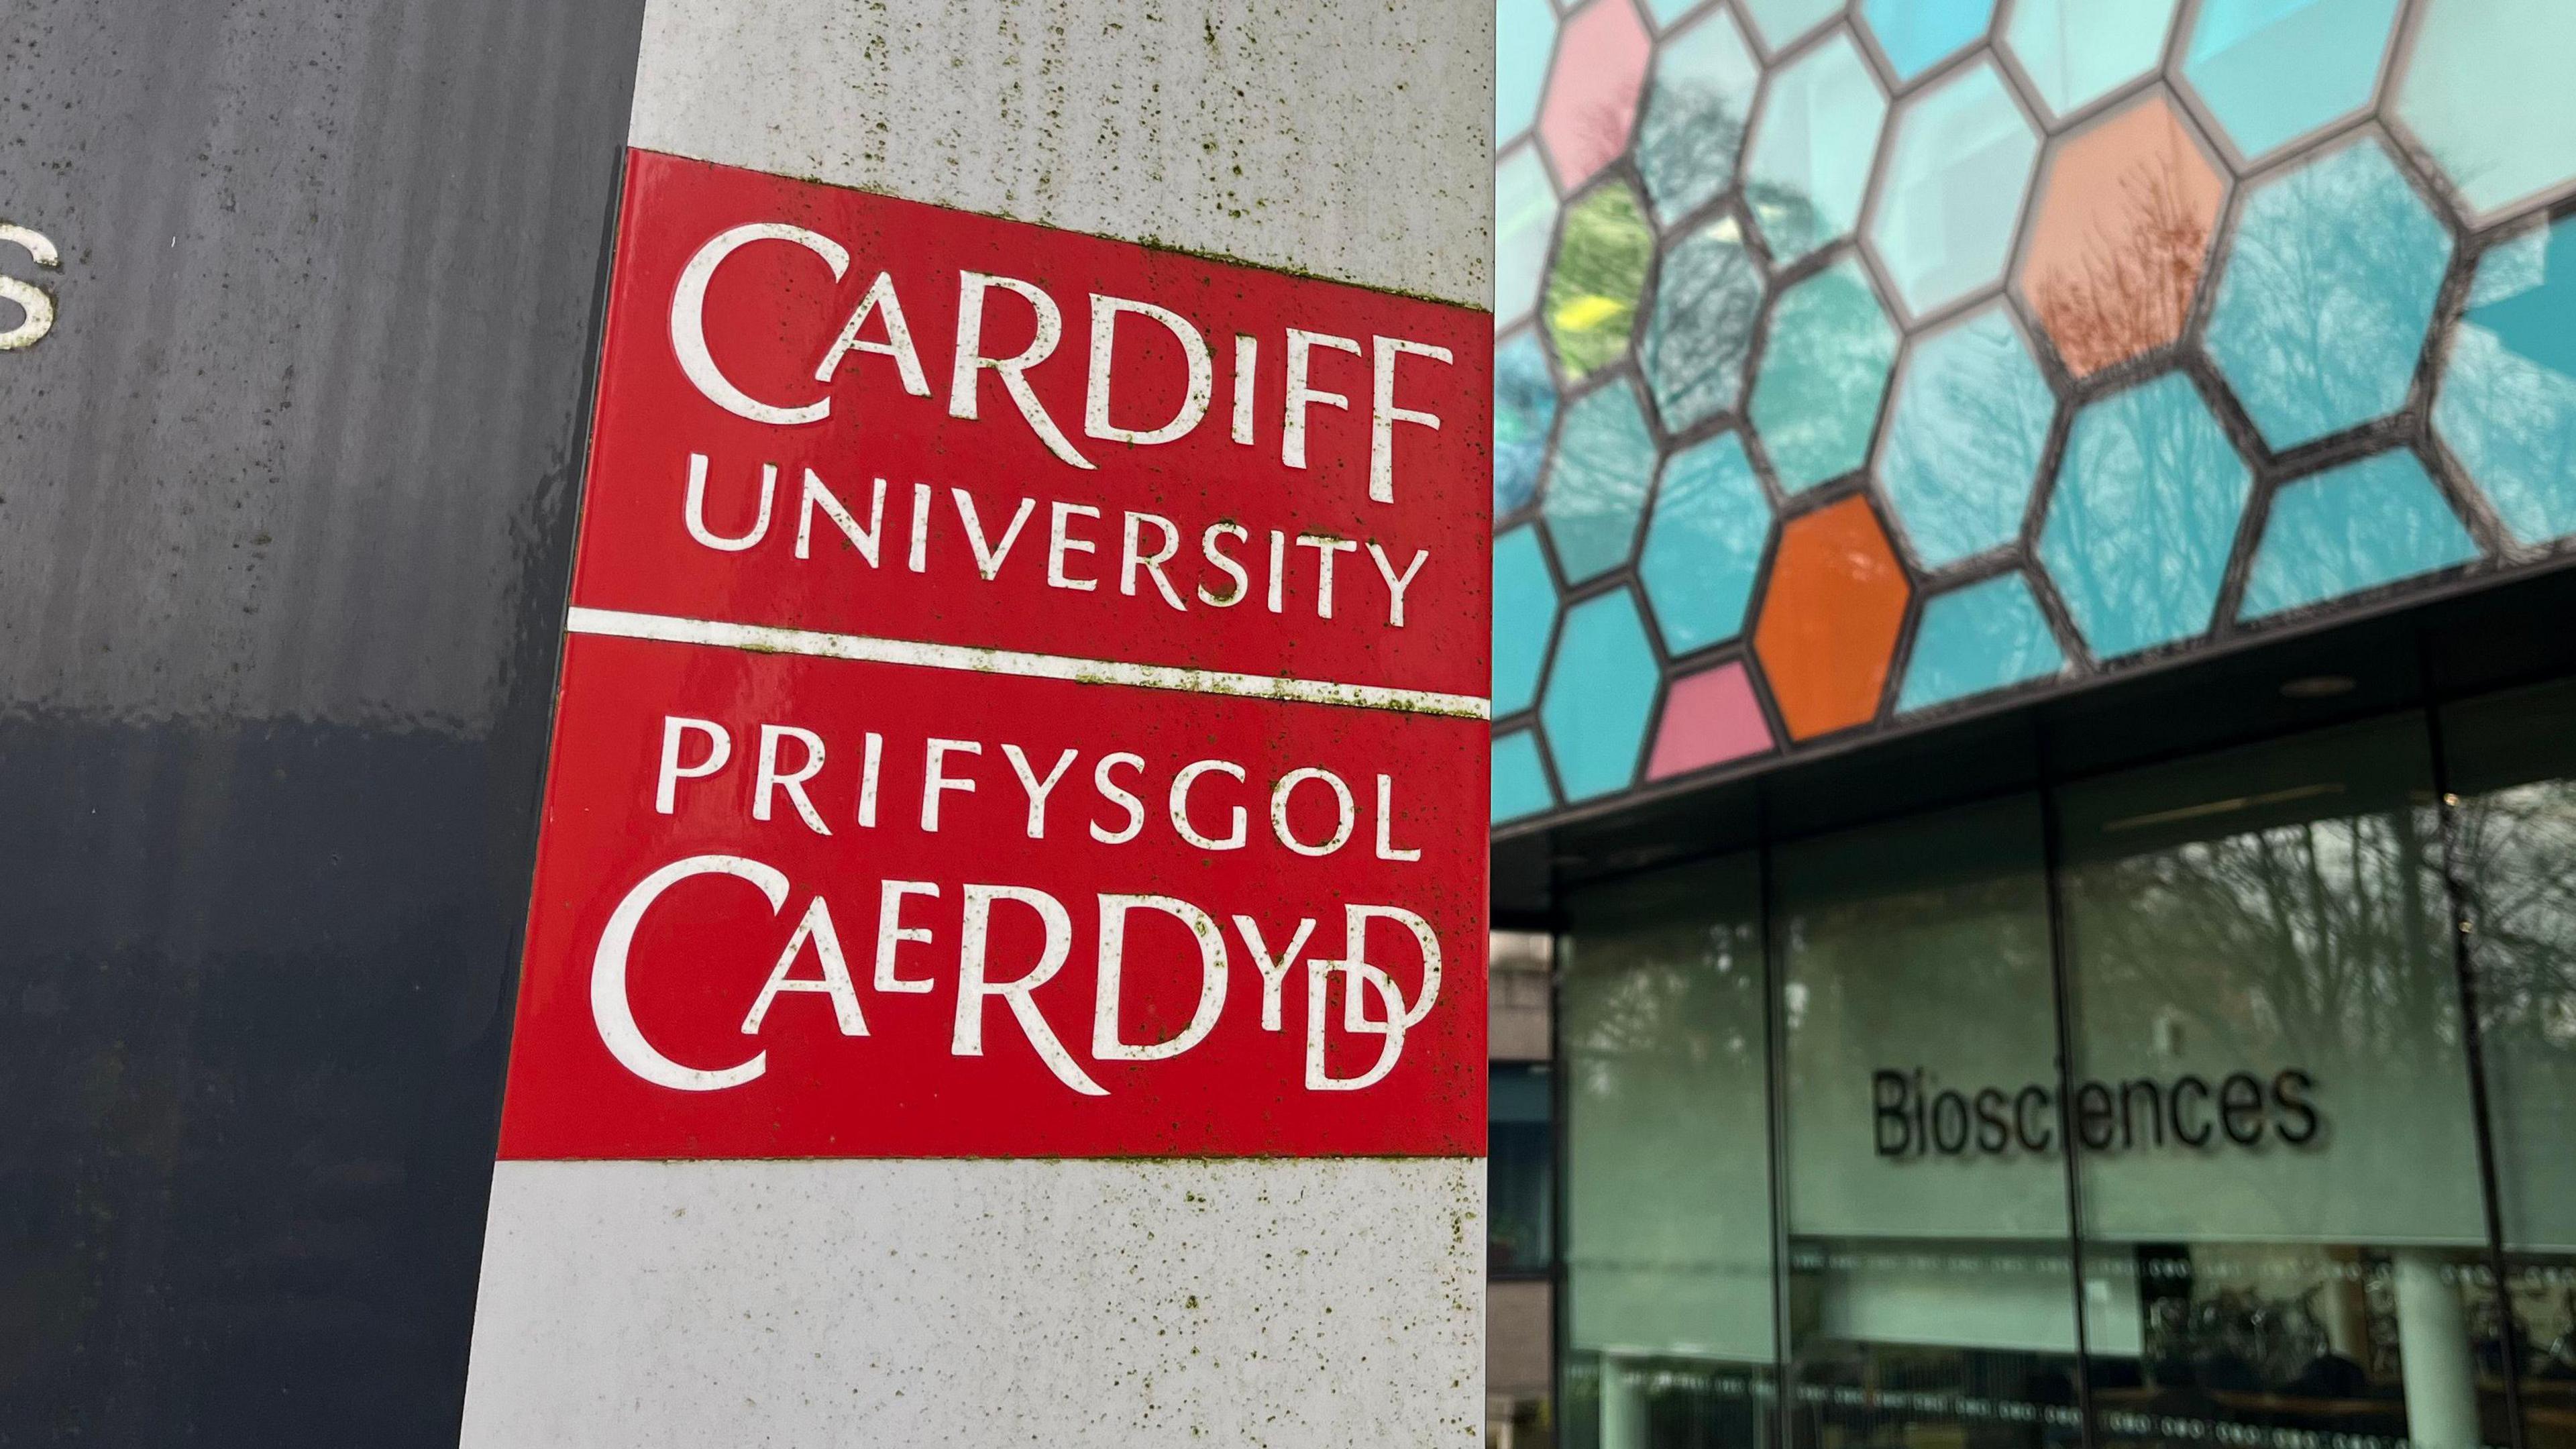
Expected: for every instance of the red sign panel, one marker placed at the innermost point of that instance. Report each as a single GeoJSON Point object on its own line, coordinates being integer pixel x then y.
{"type": "Point", "coordinates": [1024, 697]}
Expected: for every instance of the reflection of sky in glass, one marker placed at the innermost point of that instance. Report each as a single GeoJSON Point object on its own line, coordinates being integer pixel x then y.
{"type": "Point", "coordinates": [2330, 285]}
{"type": "Point", "coordinates": [1824, 367]}
{"type": "Point", "coordinates": [2145, 512]}
{"type": "Point", "coordinates": [1704, 544]}
{"type": "Point", "coordinates": [1694, 123]}
{"type": "Point", "coordinates": [1956, 172]}
{"type": "Point", "coordinates": [1600, 270]}
{"type": "Point", "coordinates": [1812, 148]}
{"type": "Point", "coordinates": [2274, 70]}
{"type": "Point", "coordinates": [2487, 93]}
{"type": "Point", "coordinates": [1983, 637]}
{"type": "Point", "coordinates": [1963, 443]}
{"type": "Point", "coordinates": [1524, 408]}
{"type": "Point", "coordinates": [1705, 305]}
{"type": "Point", "coordinates": [1524, 32]}
{"type": "Point", "coordinates": [1524, 607]}
{"type": "Point", "coordinates": [1597, 486]}
{"type": "Point", "coordinates": [1915, 35]}
{"type": "Point", "coordinates": [1599, 696]}
{"type": "Point", "coordinates": [2077, 51]}
{"type": "Point", "coordinates": [2351, 528]}
{"type": "Point", "coordinates": [2507, 407]}
{"type": "Point", "coordinates": [1524, 220]}
{"type": "Point", "coordinates": [1779, 22]}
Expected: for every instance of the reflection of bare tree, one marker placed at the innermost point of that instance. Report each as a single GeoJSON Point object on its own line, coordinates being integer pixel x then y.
{"type": "Point", "coordinates": [1966, 446]}
{"type": "Point", "coordinates": [1704, 312]}
{"type": "Point", "coordinates": [1688, 143]}
{"type": "Point", "coordinates": [2126, 285]}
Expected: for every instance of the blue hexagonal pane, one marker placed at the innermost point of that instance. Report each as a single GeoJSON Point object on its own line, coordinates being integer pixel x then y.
{"type": "Point", "coordinates": [1780, 22]}
{"type": "Point", "coordinates": [1599, 696]}
{"type": "Point", "coordinates": [1705, 307]}
{"type": "Point", "coordinates": [1824, 369]}
{"type": "Point", "coordinates": [1524, 409]}
{"type": "Point", "coordinates": [2145, 512]}
{"type": "Point", "coordinates": [1704, 543]}
{"type": "Point", "coordinates": [2352, 528]}
{"type": "Point", "coordinates": [1964, 440]}
{"type": "Point", "coordinates": [1524, 37]}
{"type": "Point", "coordinates": [1701, 97]}
{"type": "Point", "coordinates": [2507, 407]}
{"type": "Point", "coordinates": [1520, 782]}
{"type": "Point", "coordinates": [1974, 640]}
{"type": "Point", "coordinates": [1916, 35]}
{"type": "Point", "coordinates": [1524, 223]}
{"type": "Point", "coordinates": [1524, 611]}
{"type": "Point", "coordinates": [1957, 174]}
{"type": "Point", "coordinates": [1596, 484]}
{"type": "Point", "coordinates": [1811, 148]}
{"type": "Point", "coordinates": [2078, 51]}
{"type": "Point", "coordinates": [2271, 71]}
{"type": "Point", "coordinates": [2322, 310]}
{"type": "Point", "coordinates": [2486, 92]}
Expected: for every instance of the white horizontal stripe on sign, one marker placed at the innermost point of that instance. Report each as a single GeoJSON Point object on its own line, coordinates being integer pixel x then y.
{"type": "Point", "coordinates": [761, 638]}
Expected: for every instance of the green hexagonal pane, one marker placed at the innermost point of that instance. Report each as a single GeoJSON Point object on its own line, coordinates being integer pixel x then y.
{"type": "Point", "coordinates": [1596, 484]}
{"type": "Point", "coordinates": [1957, 174]}
{"type": "Point", "coordinates": [1823, 371]}
{"type": "Point", "coordinates": [1974, 640]}
{"type": "Point", "coordinates": [1705, 307]}
{"type": "Point", "coordinates": [1700, 98]}
{"type": "Point", "coordinates": [1812, 145]}
{"type": "Point", "coordinates": [2145, 513]}
{"type": "Point", "coordinates": [1600, 271]}
{"type": "Point", "coordinates": [1520, 781]}
{"type": "Point", "coordinates": [2272, 71]}
{"type": "Point", "coordinates": [1704, 544]}
{"type": "Point", "coordinates": [2321, 314]}
{"type": "Point", "coordinates": [2487, 92]}
{"type": "Point", "coordinates": [2352, 528]}
{"type": "Point", "coordinates": [2507, 406]}
{"type": "Point", "coordinates": [1524, 612]}
{"type": "Point", "coordinates": [1600, 696]}
{"type": "Point", "coordinates": [1964, 437]}
{"type": "Point", "coordinates": [2078, 51]}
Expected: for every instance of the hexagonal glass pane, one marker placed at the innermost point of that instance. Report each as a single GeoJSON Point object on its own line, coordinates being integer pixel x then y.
{"type": "Point", "coordinates": [1780, 23]}
{"type": "Point", "coordinates": [1710, 717]}
{"type": "Point", "coordinates": [1823, 371]}
{"type": "Point", "coordinates": [1524, 37]}
{"type": "Point", "coordinates": [2352, 528]}
{"type": "Point", "coordinates": [1964, 437]}
{"type": "Point", "coordinates": [2328, 289]}
{"type": "Point", "coordinates": [2078, 51]}
{"type": "Point", "coordinates": [2507, 407]}
{"type": "Point", "coordinates": [2486, 92]}
{"type": "Point", "coordinates": [1520, 782]}
{"type": "Point", "coordinates": [1812, 147]}
{"type": "Point", "coordinates": [1830, 618]}
{"type": "Point", "coordinates": [1596, 485]}
{"type": "Point", "coordinates": [1974, 640]}
{"type": "Point", "coordinates": [1524, 223]}
{"type": "Point", "coordinates": [1952, 196]}
{"type": "Point", "coordinates": [1704, 544]}
{"type": "Point", "coordinates": [1705, 308]}
{"type": "Point", "coordinates": [1600, 272]}
{"type": "Point", "coordinates": [1916, 35]}
{"type": "Point", "coordinates": [2125, 215]}
{"type": "Point", "coordinates": [1600, 696]}
{"type": "Point", "coordinates": [1592, 93]}
{"type": "Point", "coordinates": [2272, 71]}
{"type": "Point", "coordinates": [1524, 612]}
{"type": "Point", "coordinates": [2138, 532]}
{"type": "Point", "coordinates": [1524, 409]}
{"type": "Point", "coordinates": [1695, 115]}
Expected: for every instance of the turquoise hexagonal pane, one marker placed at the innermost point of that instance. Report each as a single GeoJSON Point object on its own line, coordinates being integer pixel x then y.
{"type": "Point", "coordinates": [1916, 35]}
{"type": "Point", "coordinates": [1974, 640]}
{"type": "Point", "coordinates": [1524, 37]}
{"type": "Point", "coordinates": [2145, 512]}
{"type": "Point", "coordinates": [1702, 327]}
{"type": "Point", "coordinates": [1524, 222]}
{"type": "Point", "coordinates": [1524, 409]}
{"type": "Point", "coordinates": [2271, 71]}
{"type": "Point", "coordinates": [1596, 486]}
{"type": "Point", "coordinates": [2507, 405]}
{"type": "Point", "coordinates": [1812, 145]}
{"type": "Point", "coordinates": [1524, 612]}
{"type": "Point", "coordinates": [1964, 437]}
{"type": "Point", "coordinates": [2486, 92]}
{"type": "Point", "coordinates": [1520, 782]}
{"type": "Point", "coordinates": [1824, 369]}
{"type": "Point", "coordinates": [1780, 22]}
{"type": "Point", "coordinates": [1665, 12]}
{"type": "Point", "coordinates": [2321, 312]}
{"type": "Point", "coordinates": [2078, 51]}
{"type": "Point", "coordinates": [2351, 528]}
{"type": "Point", "coordinates": [1704, 544]}
{"type": "Point", "coordinates": [1701, 96]}
{"type": "Point", "coordinates": [1957, 174]}
{"type": "Point", "coordinates": [1599, 696]}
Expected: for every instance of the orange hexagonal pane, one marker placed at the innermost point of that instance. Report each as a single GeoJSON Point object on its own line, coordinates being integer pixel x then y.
{"type": "Point", "coordinates": [1830, 618]}
{"type": "Point", "coordinates": [2122, 236]}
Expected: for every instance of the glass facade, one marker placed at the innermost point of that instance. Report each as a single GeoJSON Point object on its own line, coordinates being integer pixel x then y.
{"type": "Point", "coordinates": [2226, 1100]}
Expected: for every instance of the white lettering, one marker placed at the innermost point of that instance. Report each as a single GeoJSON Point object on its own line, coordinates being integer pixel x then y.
{"type": "Point", "coordinates": [834, 982]}
{"type": "Point", "coordinates": [1325, 546]}
{"type": "Point", "coordinates": [666, 786]}
{"type": "Point", "coordinates": [1104, 336]}
{"type": "Point", "coordinates": [988, 561]}
{"type": "Point", "coordinates": [615, 1016]}
{"type": "Point", "coordinates": [1384, 414]}
{"type": "Point", "coordinates": [1114, 794]}
{"type": "Point", "coordinates": [1344, 822]}
{"type": "Point", "coordinates": [1036, 789]}
{"type": "Point", "coordinates": [1180, 802]}
{"type": "Point", "coordinates": [689, 319]}
{"type": "Point", "coordinates": [1153, 562]}
{"type": "Point", "coordinates": [973, 986]}
{"type": "Point", "coordinates": [1247, 358]}
{"type": "Point", "coordinates": [970, 363]}
{"type": "Point", "coordinates": [33, 300]}
{"type": "Point", "coordinates": [1060, 543]}
{"type": "Point", "coordinates": [1301, 345]}
{"type": "Point", "coordinates": [768, 779]}
{"type": "Point", "coordinates": [898, 344]}
{"type": "Point", "coordinates": [1395, 586]}
{"type": "Point", "coordinates": [818, 496]}
{"type": "Point", "coordinates": [1105, 1045]}
{"type": "Point", "coordinates": [1274, 973]}
{"type": "Point", "coordinates": [934, 781]}
{"type": "Point", "coordinates": [892, 933]}
{"type": "Point", "coordinates": [1225, 564]}
{"type": "Point", "coordinates": [695, 512]}
{"type": "Point", "coordinates": [1386, 847]}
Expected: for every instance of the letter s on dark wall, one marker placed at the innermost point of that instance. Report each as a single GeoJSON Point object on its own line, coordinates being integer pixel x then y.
{"type": "Point", "coordinates": [2290, 1092]}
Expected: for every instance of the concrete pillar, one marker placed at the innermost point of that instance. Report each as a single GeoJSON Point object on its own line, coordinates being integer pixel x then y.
{"type": "Point", "coordinates": [1623, 1405]}
{"type": "Point", "coordinates": [2433, 1343]}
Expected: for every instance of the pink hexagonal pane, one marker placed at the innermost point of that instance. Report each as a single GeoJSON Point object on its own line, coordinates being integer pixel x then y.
{"type": "Point", "coordinates": [1709, 718]}
{"type": "Point", "coordinates": [1592, 93]}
